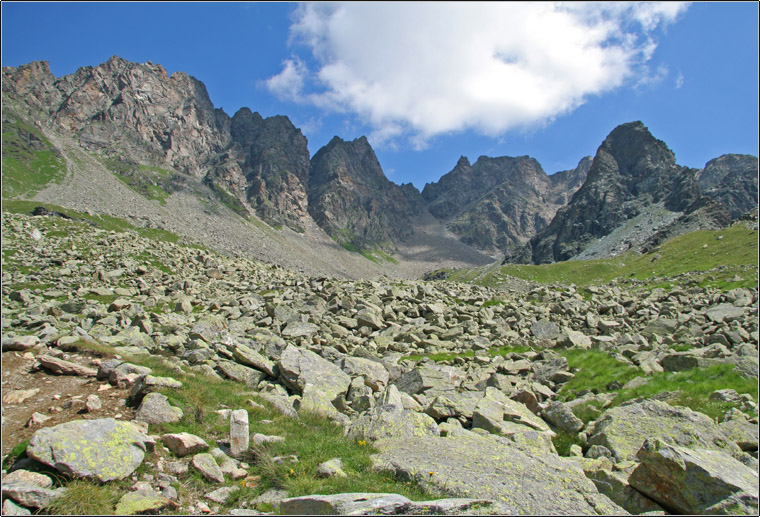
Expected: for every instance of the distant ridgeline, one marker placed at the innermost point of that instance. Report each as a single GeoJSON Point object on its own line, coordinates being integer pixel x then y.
{"type": "Point", "coordinates": [153, 130]}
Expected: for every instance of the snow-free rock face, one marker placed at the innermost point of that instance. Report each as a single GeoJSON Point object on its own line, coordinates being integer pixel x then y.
{"type": "Point", "coordinates": [732, 180]}
{"type": "Point", "coordinates": [500, 202]}
{"type": "Point", "coordinates": [631, 172]}
{"type": "Point", "coordinates": [353, 201]}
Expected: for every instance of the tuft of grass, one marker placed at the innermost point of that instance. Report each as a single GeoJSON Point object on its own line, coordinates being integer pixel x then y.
{"type": "Point", "coordinates": [594, 371]}
{"type": "Point", "coordinates": [450, 356]}
{"type": "Point", "coordinates": [84, 498]}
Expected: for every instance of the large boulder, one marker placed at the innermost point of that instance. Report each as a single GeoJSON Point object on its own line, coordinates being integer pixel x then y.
{"type": "Point", "coordinates": [299, 367]}
{"type": "Point", "coordinates": [695, 481]}
{"type": "Point", "coordinates": [498, 414]}
{"type": "Point", "coordinates": [623, 429]}
{"type": "Point", "coordinates": [102, 450]}
{"type": "Point", "coordinates": [431, 380]}
{"type": "Point", "coordinates": [375, 375]}
{"type": "Point", "coordinates": [389, 421]}
{"type": "Point", "coordinates": [468, 465]}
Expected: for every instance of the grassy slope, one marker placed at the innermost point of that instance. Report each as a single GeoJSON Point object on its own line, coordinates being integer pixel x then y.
{"type": "Point", "coordinates": [709, 257]}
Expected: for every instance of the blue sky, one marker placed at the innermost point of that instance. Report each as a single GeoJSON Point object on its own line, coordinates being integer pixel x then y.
{"type": "Point", "coordinates": [432, 81]}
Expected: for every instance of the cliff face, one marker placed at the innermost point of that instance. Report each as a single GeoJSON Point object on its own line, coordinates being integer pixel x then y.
{"type": "Point", "coordinates": [732, 180]}
{"type": "Point", "coordinates": [498, 203]}
{"type": "Point", "coordinates": [631, 171]}
{"type": "Point", "coordinates": [353, 201]}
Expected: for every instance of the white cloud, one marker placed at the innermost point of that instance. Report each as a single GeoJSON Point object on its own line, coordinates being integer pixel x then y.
{"type": "Point", "coordinates": [679, 80]}
{"type": "Point", "coordinates": [415, 70]}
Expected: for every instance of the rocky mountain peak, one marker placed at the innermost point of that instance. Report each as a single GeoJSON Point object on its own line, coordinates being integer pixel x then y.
{"type": "Point", "coordinates": [351, 198]}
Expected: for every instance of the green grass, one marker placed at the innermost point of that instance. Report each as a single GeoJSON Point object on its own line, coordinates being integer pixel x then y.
{"type": "Point", "coordinates": [30, 161]}
{"type": "Point", "coordinates": [85, 498]}
{"type": "Point", "coordinates": [595, 371]}
{"type": "Point", "coordinates": [700, 258]}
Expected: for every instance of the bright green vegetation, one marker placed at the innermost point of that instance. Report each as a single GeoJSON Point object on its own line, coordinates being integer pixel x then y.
{"type": "Point", "coordinates": [30, 161]}
{"type": "Point", "coordinates": [312, 438]}
{"type": "Point", "coordinates": [705, 258]}
{"type": "Point", "coordinates": [147, 180]}
{"type": "Point", "coordinates": [596, 371]}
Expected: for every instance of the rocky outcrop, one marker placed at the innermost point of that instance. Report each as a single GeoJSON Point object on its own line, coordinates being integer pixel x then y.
{"type": "Point", "coordinates": [498, 203]}
{"type": "Point", "coordinates": [353, 201]}
{"type": "Point", "coordinates": [267, 166]}
{"type": "Point", "coordinates": [631, 172]}
{"type": "Point", "coordinates": [732, 180]}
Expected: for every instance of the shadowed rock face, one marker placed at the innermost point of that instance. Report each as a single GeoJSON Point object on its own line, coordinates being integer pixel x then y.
{"type": "Point", "coordinates": [631, 171]}
{"type": "Point", "coordinates": [732, 180]}
{"type": "Point", "coordinates": [353, 201]}
{"type": "Point", "coordinates": [500, 202]}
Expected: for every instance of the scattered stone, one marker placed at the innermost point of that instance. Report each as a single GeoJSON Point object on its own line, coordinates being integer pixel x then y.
{"type": "Point", "coordinates": [206, 465]}
{"type": "Point", "coordinates": [61, 367]}
{"type": "Point", "coordinates": [220, 495]}
{"type": "Point", "coordinates": [30, 495]}
{"type": "Point", "coordinates": [142, 502]}
{"type": "Point", "coordinates": [239, 432]}
{"type": "Point", "coordinates": [184, 444]}
{"type": "Point", "coordinates": [155, 409]}
{"type": "Point", "coordinates": [331, 468]}
{"type": "Point", "coordinates": [19, 396]}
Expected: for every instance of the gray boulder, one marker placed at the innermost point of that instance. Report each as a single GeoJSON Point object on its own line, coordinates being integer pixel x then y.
{"type": "Point", "coordinates": [392, 421]}
{"type": "Point", "coordinates": [155, 409]}
{"type": "Point", "coordinates": [468, 465]}
{"type": "Point", "coordinates": [103, 450]}
{"type": "Point", "coordinates": [695, 481]}
{"type": "Point", "coordinates": [299, 367]}
{"type": "Point", "coordinates": [624, 428]}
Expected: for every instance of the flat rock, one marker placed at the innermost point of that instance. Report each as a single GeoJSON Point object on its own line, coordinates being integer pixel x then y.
{"type": "Point", "coordinates": [206, 465]}
{"type": "Point", "coordinates": [695, 481]}
{"type": "Point", "coordinates": [30, 495]}
{"type": "Point", "coordinates": [183, 444]}
{"type": "Point", "coordinates": [142, 503]}
{"type": "Point", "coordinates": [475, 466]}
{"type": "Point", "coordinates": [61, 367]}
{"type": "Point", "coordinates": [344, 504]}
{"type": "Point", "coordinates": [623, 429]}
{"type": "Point", "coordinates": [103, 449]}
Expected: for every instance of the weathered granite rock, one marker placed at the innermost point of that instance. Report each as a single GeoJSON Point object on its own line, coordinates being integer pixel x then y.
{"type": "Point", "coordinates": [30, 495]}
{"type": "Point", "coordinates": [61, 367]}
{"type": "Point", "coordinates": [206, 465]}
{"type": "Point", "coordinates": [392, 421]}
{"type": "Point", "coordinates": [237, 372]}
{"type": "Point", "coordinates": [183, 444]}
{"type": "Point", "coordinates": [562, 417]}
{"type": "Point", "coordinates": [155, 409]}
{"type": "Point", "coordinates": [498, 414]}
{"type": "Point", "coordinates": [104, 449]}
{"type": "Point", "coordinates": [375, 375]}
{"type": "Point", "coordinates": [331, 468]}
{"type": "Point", "coordinates": [142, 502]}
{"type": "Point", "coordinates": [11, 508]}
{"type": "Point", "coordinates": [317, 401]}
{"type": "Point", "coordinates": [437, 379]}
{"type": "Point", "coordinates": [239, 432]}
{"type": "Point", "coordinates": [379, 504]}
{"type": "Point", "coordinates": [299, 367]}
{"type": "Point", "coordinates": [249, 357]}
{"type": "Point", "coordinates": [475, 466]}
{"type": "Point", "coordinates": [695, 481]}
{"type": "Point", "coordinates": [614, 484]}
{"type": "Point", "coordinates": [624, 428]}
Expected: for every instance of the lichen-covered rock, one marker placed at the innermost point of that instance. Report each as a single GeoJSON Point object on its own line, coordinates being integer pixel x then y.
{"type": "Point", "coordinates": [104, 449]}
{"type": "Point", "coordinates": [469, 465]}
{"type": "Point", "coordinates": [623, 429]}
{"type": "Point", "coordinates": [498, 414]}
{"type": "Point", "coordinates": [433, 379]}
{"type": "Point", "coordinates": [155, 409]}
{"type": "Point", "coordinates": [391, 421]}
{"type": "Point", "coordinates": [142, 502]}
{"type": "Point", "coordinates": [695, 481]}
{"type": "Point", "coordinates": [206, 465]}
